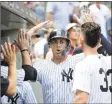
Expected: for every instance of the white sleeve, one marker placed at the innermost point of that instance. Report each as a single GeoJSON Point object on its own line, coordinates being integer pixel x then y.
{"type": "Point", "coordinates": [50, 7]}
{"type": "Point", "coordinates": [107, 13]}
{"type": "Point", "coordinates": [20, 74]}
{"type": "Point", "coordinates": [39, 50]}
{"type": "Point", "coordinates": [81, 79]}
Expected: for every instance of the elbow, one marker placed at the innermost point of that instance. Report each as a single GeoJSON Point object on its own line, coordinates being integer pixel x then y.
{"type": "Point", "coordinates": [11, 92]}
{"type": "Point", "coordinates": [11, 88]}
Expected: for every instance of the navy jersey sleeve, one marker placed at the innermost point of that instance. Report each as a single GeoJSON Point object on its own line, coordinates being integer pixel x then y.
{"type": "Point", "coordinates": [106, 44]}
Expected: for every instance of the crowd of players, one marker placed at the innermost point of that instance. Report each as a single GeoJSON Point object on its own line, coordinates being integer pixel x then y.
{"type": "Point", "coordinates": [77, 68]}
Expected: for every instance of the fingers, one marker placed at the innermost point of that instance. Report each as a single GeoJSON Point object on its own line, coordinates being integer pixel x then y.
{"type": "Point", "coordinates": [26, 36]}
{"type": "Point", "coordinates": [8, 39]}
{"type": "Point", "coordinates": [21, 35]}
{"type": "Point", "coordinates": [9, 47]}
{"type": "Point", "coordinates": [88, 17]}
{"type": "Point", "coordinates": [36, 28]}
{"type": "Point", "coordinates": [13, 48]}
{"type": "Point", "coordinates": [6, 48]}
{"type": "Point", "coordinates": [3, 50]}
{"type": "Point", "coordinates": [76, 17]}
{"type": "Point", "coordinates": [43, 23]}
{"type": "Point", "coordinates": [15, 42]}
{"type": "Point", "coordinates": [9, 52]}
{"type": "Point", "coordinates": [23, 41]}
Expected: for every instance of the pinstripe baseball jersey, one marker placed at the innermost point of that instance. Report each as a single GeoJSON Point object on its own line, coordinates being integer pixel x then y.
{"type": "Point", "coordinates": [20, 74]}
{"type": "Point", "coordinates": [93, 75]}
{"type": "Point", "coordinates": [24, 95]}
{"type": "Point", "coordinates": [56, 79]}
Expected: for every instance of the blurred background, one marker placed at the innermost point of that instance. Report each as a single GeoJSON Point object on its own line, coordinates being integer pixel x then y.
{"type": "Point", "coordinates": [25, 15]}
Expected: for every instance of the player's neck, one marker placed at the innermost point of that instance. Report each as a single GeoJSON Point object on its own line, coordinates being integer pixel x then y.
{"type": "Point", "coordinates": [90, 51]}
{"type": "Point", "coordinates": [73, 43]}
{"type": "Point", "coordinates": [59, 60]}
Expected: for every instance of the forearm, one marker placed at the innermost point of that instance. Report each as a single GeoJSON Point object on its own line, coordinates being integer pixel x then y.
{"type": "Point", "coordinates": [12, 79]}
{"type": "Point", "coordinates": [26, 58]}
{"type": "Point", "coordinates": [49, 16]}
{"type": "Point", "coordinates": [32, 31]}
{"type": "Point", "coordinates": [36, 28]}
{"type": "Point", "coordinates": [80, 97]}
{"type": "Point", "coordinates": [79, 100]}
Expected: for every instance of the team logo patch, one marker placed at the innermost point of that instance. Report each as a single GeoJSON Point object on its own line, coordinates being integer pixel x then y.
{"type": "Point", "coordinates": [68, 75]}
{"type": "Point", "coordinates": [13, 99]}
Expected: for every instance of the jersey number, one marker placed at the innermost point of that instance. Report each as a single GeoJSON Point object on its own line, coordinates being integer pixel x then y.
{"type": "Point", "coordinates": [105, 89]}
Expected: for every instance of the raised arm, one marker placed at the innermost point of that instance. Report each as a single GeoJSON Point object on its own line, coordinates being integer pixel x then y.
{"type": "Point", "coordinates": [10, 57]}
{"type": "Point", "coordinates": [23, 45]}
{"type": "Point", "coordinates": [36, 28]}
{"type": "Point", "coordinates": [87, 17]}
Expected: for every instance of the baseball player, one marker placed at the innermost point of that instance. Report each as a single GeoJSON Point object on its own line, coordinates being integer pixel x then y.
{"type": "Point", "coordinates": [55, 75]}
{"type": "Point", "coordinates": [8, 85]}
{"type": "Point", "coordinates": [24, 93]}
{"type": "Point", "coordinates": [92, 75]}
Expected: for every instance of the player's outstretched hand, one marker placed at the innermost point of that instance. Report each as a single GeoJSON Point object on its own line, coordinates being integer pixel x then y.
{"type": "Point", "coordinates": [36, 28]}
{"type": "Point", "coordinates": [23, 40]}
{"type": "Point", "coordinates": [9, 53]}
{"type": "Point", "coordinates": [86, 17]}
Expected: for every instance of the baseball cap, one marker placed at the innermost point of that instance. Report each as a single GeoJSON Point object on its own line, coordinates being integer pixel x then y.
{"type": "Point", "coordinates": [70, 25]}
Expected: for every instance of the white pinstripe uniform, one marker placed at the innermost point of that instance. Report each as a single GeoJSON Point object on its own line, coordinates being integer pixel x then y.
{"type": "Point", "coordinates": [93, 75]}
{"type": "Point", "coordinates": [56, 79]}
{"type": "Point", "coordinates": [24, 93]}
{"type": "Point", "coordinates": [20, 74]}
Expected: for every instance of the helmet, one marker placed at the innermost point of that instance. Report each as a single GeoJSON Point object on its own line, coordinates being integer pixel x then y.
{"type": "Point", "coordinates": [57, 34]}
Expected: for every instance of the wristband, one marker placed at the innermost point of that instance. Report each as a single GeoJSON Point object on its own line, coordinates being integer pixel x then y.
{"type": "Point", "coordinates": [24, 50]}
